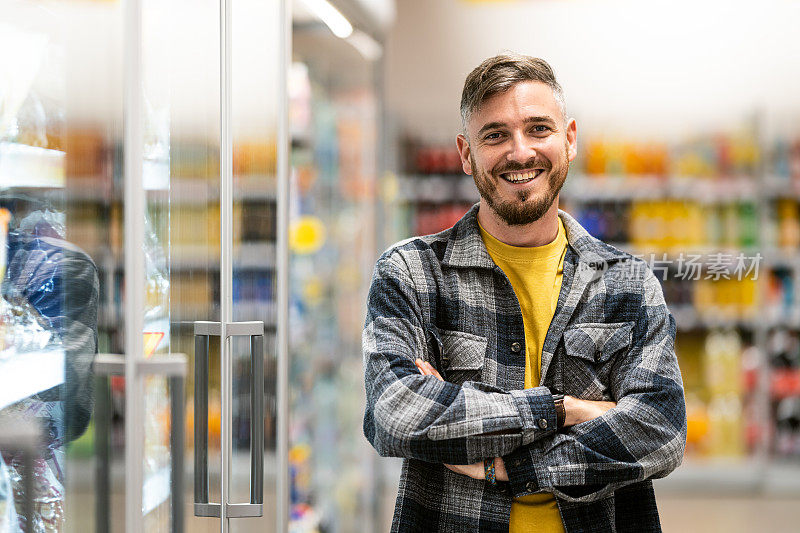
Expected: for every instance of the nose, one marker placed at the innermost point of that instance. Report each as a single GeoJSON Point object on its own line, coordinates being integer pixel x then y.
{"type": "Point", "coordinates": [521, 149]}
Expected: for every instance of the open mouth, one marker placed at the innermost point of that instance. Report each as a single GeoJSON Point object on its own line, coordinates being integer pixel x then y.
{"type": "Point", "coordinates": [522, 176]}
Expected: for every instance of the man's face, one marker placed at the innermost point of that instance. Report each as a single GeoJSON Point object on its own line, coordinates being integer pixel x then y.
{"type": "Point", "coordinates": [518, 151]}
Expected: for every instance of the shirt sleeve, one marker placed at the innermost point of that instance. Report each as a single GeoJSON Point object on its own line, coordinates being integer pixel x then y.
{"type": "Point", "coordinates": [643, 437]}
{"type": "Point", "coordinates": [420, 417]}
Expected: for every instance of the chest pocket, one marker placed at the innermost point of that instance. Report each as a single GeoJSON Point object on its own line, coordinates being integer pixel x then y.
{"type": "Point", "coordinates": [589, 347]}
{"type": "Point", "coordinates": [462, 356]}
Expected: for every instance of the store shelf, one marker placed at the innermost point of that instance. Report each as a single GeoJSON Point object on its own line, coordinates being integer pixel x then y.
{"type": "Point", "coordinates": [264, 312]}
{"type": "Point", "coordinates": [35, 372]}
{"type": "Point", "coordinates": [247, 255]}
{"type": "Point", "coordinates": [30, 166]}
{"type": "Point", "coordinates": [437, 189]}
{"type": "Point", "coordinates": [687, 318]}
{"type": "Point", "coordinates": [83, 473]}
{"type": "Point", "coordinates": [161, 187]}
{"type": "Point", "coordinates": [707, 254]}
{"type": "Point", "coordinates": [729, 476]}
{"type": "Point", "coordinates": [255, 310]}
{"type": "Point", "coordinates": [581, 188]}
{"type": "Point", "coordinates": [732, 477]}
{"type": "Point", "coordinates": [601, 188]}
{"type": "Point", "coordinates": [203, 191]}
{"type": "Point", "coordinates": [777, 187]}
{"type": "Point", "coordinates": [250, 255]}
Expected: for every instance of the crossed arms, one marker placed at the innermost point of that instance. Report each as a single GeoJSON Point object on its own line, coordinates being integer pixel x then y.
{"type": "Point", "coordinates": [417, 416]}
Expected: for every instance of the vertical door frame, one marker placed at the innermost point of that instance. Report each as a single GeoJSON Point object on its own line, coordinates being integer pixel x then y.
{"type": "Point", "coordinates": [134, 262]}
{"type": "Point", "coordinates": [226, 255]}
{"type": "Point", "coordinates": [282, 266]}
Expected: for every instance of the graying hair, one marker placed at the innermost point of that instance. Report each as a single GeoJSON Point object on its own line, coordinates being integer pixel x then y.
{"type": "Point", "coordinates": [501, 72]}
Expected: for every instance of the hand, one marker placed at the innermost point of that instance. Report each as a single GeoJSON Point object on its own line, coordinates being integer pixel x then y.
{"type": "Point", "coordinates": [579, 411]}
{"type": "Point", "coordinates": [475, 470]}
{"type": "Point", "coordinates": [427, 369]}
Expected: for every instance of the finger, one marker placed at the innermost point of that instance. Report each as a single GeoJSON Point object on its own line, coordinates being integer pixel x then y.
{"type": "Point", "coordinates": [453, 468]}
{"type": "Point", "coordinates": [434, 372]}
{"type": "Point", "coordinates": [422, 368]}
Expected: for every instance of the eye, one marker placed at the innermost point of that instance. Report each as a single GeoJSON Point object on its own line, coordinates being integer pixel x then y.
{"type": "Point", "coordinates": [540, 128]}
{"type": "Point", "coordinates": [493, 136]}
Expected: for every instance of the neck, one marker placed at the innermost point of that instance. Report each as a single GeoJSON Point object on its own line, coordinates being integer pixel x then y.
{"type": "Point", "coordinates": [538, 233]}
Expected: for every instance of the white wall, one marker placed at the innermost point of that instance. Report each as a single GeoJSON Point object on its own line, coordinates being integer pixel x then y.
{"type": "Point", "coordinates": [655, 68]}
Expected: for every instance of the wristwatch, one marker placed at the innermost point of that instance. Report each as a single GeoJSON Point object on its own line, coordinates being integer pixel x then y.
{"type": "Point", "coordinates": [561, 413]}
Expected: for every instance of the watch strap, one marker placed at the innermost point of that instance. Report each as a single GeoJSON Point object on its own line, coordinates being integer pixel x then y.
{"type": "Point", "coordinates": [561, 412]}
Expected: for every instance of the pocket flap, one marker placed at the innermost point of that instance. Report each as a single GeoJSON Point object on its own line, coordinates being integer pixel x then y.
{"type": "Point", "coordinates": [597, 341]}
{"type": "Point", "coordinates": [462, 351]}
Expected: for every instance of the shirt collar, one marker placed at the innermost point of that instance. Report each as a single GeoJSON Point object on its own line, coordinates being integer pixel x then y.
{"type": "Point", "coordinates": [465, 248]}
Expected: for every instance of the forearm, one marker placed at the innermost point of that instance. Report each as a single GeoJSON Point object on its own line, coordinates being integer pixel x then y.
{"type": "Point", "coordinates": [416, 416]}
{"type": "Point", "coordinates": [587, 462]}
{"type": "Point", "coordinates": [412, 415]}
{"type": "Point", "coordinates": [575, 411]}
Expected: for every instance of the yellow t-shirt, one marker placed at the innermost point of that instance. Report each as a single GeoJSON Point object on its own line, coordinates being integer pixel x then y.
{"type": "Point", "coordinates": [535, 274]}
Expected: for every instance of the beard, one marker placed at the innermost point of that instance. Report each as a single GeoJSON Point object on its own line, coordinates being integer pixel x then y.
{"type": "Point", "coordinates": [523, 209]}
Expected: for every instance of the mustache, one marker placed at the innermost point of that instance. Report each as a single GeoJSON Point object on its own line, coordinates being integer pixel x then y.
{"type": "Point", "coordinates": [513, 166]}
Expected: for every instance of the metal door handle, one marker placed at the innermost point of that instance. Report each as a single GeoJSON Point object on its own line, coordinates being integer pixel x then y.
{"type": "Point", "coordinates": [257, 418]}
{"type": "Point", "coordinates": [203, 331]}
{"type": "Point", "coordinates": [202, 339]}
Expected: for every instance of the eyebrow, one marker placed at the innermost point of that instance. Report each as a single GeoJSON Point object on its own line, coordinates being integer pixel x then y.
{"type": "Point", "coordinates": [543, 119]}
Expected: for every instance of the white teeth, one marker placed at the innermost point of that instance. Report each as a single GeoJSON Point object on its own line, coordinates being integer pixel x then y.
{"type": "Point", "coordinates": [517, 177]}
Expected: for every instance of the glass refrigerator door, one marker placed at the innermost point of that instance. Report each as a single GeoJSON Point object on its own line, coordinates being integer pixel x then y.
{"type": "Point", "coordinates": [138, 219]}
{"type": "Point", "coordinates": [59, 251]}
{"type": "Point", "coordinates": [256, 101]}
{"type": "Point", "coordinates": [224, 224]}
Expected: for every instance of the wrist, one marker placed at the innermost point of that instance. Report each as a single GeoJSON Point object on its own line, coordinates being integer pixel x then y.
{"type": "Point", "coordinates": [572, 411]}
{"type": "Point", "coordinates": [500, 469]}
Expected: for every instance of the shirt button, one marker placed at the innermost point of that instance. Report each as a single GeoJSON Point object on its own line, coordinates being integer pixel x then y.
{"type": "Point", "coordinates": [516, 347]}
{"type": "Point", "coordinates": [543, 423]}
{"type": "Point", "coordinates": [530, 486]}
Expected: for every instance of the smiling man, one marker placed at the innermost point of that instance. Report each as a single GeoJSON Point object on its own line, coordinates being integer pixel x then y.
{"type": "Point", "coordinates": [524, 369]}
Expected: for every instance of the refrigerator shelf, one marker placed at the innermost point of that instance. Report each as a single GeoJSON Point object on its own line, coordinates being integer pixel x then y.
{"type": "Point", "coordinates": [36, 371]}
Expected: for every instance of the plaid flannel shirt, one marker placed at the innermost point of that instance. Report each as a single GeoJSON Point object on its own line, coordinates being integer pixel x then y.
{"type": "Point", "coordinates": [441, 298]}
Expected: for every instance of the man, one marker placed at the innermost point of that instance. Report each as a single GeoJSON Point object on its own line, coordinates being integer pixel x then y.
{"type": "Point", "coordinates": [524, 369]}
{"type": "Point", "coordinates": [50, 297]}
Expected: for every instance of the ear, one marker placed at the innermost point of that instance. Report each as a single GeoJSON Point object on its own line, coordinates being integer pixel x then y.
{"type": "Point", "coordinates": [463, 151]}
{"type": "Point", "coordinates": [572, 139]}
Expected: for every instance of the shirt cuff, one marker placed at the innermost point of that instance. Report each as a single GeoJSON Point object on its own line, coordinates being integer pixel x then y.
{"type": "Point", "coordinates": [537, 411]}
{"type": "Point", "coordinates": [526, 472]}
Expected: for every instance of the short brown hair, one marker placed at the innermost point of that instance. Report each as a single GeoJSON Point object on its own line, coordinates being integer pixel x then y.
{"type": "Point", "coordinates": [498, 74]}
